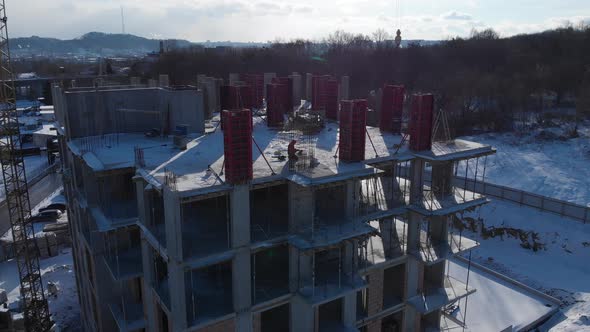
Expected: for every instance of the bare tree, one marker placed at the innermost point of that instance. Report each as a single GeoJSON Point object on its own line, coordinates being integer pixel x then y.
{"type": "Point", "coordinates": [380, 35]}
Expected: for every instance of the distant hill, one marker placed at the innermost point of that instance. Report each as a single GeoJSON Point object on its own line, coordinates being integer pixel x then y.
{"type": "Point", "coordinates": [104, 44]}
{"type": "Point", "coordinates": [93, 43]}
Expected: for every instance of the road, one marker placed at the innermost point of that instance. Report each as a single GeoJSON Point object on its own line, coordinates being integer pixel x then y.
{"type": "Point", "coordinates": [37, 193]}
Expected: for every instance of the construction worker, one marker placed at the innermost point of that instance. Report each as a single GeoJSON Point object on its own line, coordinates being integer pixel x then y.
{"type": "Point", "coordinates": [292, 151]}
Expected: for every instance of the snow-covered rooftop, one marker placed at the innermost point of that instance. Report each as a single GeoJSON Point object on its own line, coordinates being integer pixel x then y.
{"type": "Point", "coordinates": [197, 168]}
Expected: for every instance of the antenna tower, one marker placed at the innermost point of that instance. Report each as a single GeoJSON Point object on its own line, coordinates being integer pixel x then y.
{"type": "Point", "coordinates": [122, 20]}
{"type": "Point", "coordinates": [36, 310]}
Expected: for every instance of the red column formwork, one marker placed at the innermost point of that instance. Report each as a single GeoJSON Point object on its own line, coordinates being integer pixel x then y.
{"type": "Point", "coordinates": [276, 104]}
{"type": "Point", "coordinates": [353, 123]}
{"type": "Point", "coordinates": [420, 127]}
{"type": "Point", "coordinates": [288, 82]}
{"type": "Point", "coordinates": [392, 106]}
{"type": "Point", "coordinates": [331, 99]}
{"type": "Point", "coordinates": [237, 146]}
{"type": "Point", "coordinates": [319, 92]}
{"type": "Point", "coordinates": [256, 83]}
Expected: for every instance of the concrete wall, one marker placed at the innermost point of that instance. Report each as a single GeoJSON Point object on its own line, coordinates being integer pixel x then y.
{"type": "Point", "coordinates": [94, 112]}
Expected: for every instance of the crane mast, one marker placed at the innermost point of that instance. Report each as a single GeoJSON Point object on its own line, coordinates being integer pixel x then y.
{"type": "Point", "coordinates": [34, 303]}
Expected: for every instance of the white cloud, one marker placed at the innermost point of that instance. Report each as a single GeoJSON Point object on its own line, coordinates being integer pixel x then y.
{"type": "Point", "coordinates": [457, 16]}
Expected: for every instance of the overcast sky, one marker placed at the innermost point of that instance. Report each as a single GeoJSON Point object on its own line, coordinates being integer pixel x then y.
{"type": "Point", "coordinates": [264, 20]}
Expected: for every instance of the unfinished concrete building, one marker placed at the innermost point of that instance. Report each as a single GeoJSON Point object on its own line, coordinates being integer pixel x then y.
{"type": "Point", "coordinates": [196, 239]}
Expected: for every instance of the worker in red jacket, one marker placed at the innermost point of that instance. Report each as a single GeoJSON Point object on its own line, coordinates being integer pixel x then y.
{"type": "Point", "coordinates": [293, 151]}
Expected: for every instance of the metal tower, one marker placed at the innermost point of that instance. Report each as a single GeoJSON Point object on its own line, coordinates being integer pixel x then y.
{"type": "Point", "coordinates": [36, 311]}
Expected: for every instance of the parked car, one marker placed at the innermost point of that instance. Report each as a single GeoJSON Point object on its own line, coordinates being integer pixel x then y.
{"type": "Point", "coordinates": [39, 218]}
{"type": "Point", "coordinates": [55, 206]}
{"type": "Point", "coordinates": [51, 213]}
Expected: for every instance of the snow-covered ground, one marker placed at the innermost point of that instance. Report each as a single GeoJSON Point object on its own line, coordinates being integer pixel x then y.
{"type": "Point", "coordinates": [541, 162]}
{"type": "Point", "coordinates": [560, 267]}
{"type": "Point", "coordinates": [55, 197]}
{"type": "Point", "coordinates": [34, 165]}
{"type": "Point", "coordinates": [59, 270]}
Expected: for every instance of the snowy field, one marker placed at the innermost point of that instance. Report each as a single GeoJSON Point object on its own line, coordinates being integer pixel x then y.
{"type": "Point", "coordinates": [560, 267]}
{"type": "Point", "coordinates": [541, 162]}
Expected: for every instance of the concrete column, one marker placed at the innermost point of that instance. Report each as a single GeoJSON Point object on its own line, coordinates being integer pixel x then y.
{"type": "Point", "coordinates": [268, 79]}
{"type": "Point", "coordinates": [344, 88]}
{"type": "Point", "coordinates": [177, 285]}
{"type": "Point", "coordinates": [164, 81]}
{"type": "Point", "coordinates": [308, 83]}
{"type": "Point", "coordinates": [240, 215]}
{"type": "Point", "coordinates": [241, 287]}
{"type": "Point", "coordinates": [378, 104]}
{"type": "Point", "coordinates": [300, 266]}
{"type": "Point", "coordinates": [233, 78]}
{"type": "Point", "coordinates": [135, 81]}
{"type": "Point", "coordinates": [303, 315]}
{"type": "Point", "coordinates": [148, 279]}
{"type": "Point", "coordinates": [352, 199]}
{"type": "Point", "coordinates": [413, 238]}
{"type": "Point", "coordinates": [218, 84]}
{"type": "Point", "coordinates": [439, 229]}
{"type": "Point", "coordinates": [417, 180]}
{"type": "Point", "coordinates": [413, 279]}
{"type": "Point", "coordinates": [301, 207]}
{"type": "Point", "coordinates": [349, 310]}
{"type": "Point", "coordinates": [143, 207]}
{"type": "Point", "coordinates": [296, 79]}
{"type": "Point", "coordinates": [173, 224]}
{"type": "Point", "coordinates": [442, 178]}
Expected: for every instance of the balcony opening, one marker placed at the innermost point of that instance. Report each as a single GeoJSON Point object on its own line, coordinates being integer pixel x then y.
{"type": "Point", "coordinates": [205, 227]}
{"type": "Point", "coordinates": [276, 319]}
{"type": "Point", "coordinates": [393, 322]}
{"type": "Point", "coordinates": [362, 303]}
{"type": "Point", "coordinates": [434, 276]}
{"type": "Point", "coordinates": [162, 319]}
{"type": "Point", "coordinates": [117, 197]}
{"type": "Point", "coordinates": [328, 267]}
{"type": "Point", "coordinates": [330, 316]}
{"type": "Point", "coordinates": [270, 273]}
{"type": "Point", "coordinates": [431, 321]}
{"type": "Point", "coordinates": [127, 307]}
{"type": "Point", "coordinates": [123, 252]}
{"type": "Point", "coordinates": [160, 282]}
{"type": "Point", "coordinates": [387, 191]}
{"type": "Point", "coordinates": [269, 212]}
{"type": "Point", "coordinates": [433, 239]}
{"type": "Point", "coordinates": [393, 285]}
{"type": "Point", "coordinates": [330, 206]}
{"type": "Point", "coordinates": [390, 243]}
{"type": "Point", "coordinates": [209, 292]}
{"type": "Point", "coordinates": [451, 183]}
